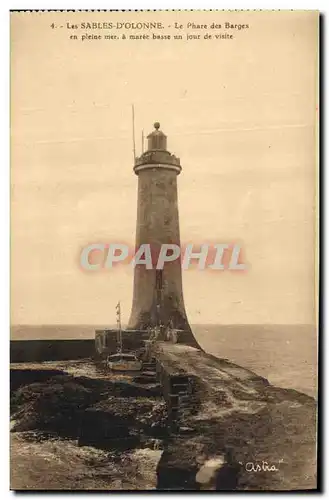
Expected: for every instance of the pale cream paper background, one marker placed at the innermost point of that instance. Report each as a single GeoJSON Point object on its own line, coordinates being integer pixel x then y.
{"type": "Point", "coordinates": [241, 114]}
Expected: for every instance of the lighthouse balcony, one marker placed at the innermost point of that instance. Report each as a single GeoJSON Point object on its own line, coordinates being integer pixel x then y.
{"type": "Point", "coordinates": [157, 157]}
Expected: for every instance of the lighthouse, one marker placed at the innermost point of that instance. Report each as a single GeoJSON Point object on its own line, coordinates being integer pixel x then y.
{"type": "Point", "coordinates": [158, 295]}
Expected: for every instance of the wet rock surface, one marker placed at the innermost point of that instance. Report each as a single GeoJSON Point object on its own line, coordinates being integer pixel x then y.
{"type": "Point", "coordinates": [127, 422]}
{"type": "Point", "coordinates": [79, 406]}
{"type": "Point", "coordinates": [93, 431]}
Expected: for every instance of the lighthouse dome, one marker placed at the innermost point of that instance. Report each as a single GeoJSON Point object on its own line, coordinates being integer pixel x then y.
{"type": "Point", "coordinates": [157, 140]}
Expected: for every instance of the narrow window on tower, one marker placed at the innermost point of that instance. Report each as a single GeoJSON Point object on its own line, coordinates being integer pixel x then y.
{"type": "Point", "coordinates": [158, 279]}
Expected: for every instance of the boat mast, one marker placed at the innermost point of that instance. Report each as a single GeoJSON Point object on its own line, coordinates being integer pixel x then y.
{"type": "Point", "coordinates": [118, 310]}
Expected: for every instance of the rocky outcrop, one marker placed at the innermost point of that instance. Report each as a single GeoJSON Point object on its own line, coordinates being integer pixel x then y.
{"type": "Point", "coordinates": [234, 430]}
{"type": "Point", "coordinates": [102, 413]}
{"type": "Point", "coordinates": [55, 405]}
{"type": "Point", "coordinates": [123, 422]}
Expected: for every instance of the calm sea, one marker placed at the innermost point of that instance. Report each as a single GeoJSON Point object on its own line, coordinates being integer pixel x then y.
{"type": "Point", "coordinates": [284, 354]}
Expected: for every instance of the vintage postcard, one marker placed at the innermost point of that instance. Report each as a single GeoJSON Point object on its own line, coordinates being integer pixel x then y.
{"type": "Point", "coordinates": [164, 242]}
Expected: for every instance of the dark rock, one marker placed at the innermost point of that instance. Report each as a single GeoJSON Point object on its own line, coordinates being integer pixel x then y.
{"type": "Point", "coordinates": [178, 467]}
{"type": "Point", "coordinates": [55, 405]}
{"type": "Point", "coordinates": [128, 419]}
{"type": "Point", "coordinates": [20, 377]}
{"type": "Point", "coordinates": [145, 378]}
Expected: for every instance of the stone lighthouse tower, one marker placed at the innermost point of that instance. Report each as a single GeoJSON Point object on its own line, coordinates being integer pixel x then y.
{"type": "Point", "coordinates": [158, 295]}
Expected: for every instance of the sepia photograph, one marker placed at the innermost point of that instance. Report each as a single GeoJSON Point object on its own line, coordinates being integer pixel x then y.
{"type": "Point", "coordinates": [164, 250]}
